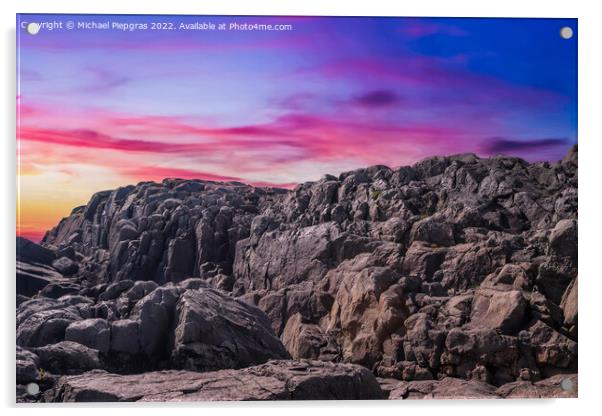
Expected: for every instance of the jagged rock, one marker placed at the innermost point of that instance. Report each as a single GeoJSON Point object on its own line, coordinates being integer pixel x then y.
{"type": "Point", "coordinates": [33, 277]}
{"type": "Point", "coordinates": [275, 380]}
{"type": "Point", "coordinates": [57, 290]}
{"type": "Point", "coordinates": [552, 350]}
{"type": "Point", "coordinates": [467, 349]}
{"type": "Point", "coordinates": [67, 357]}
{"type": "Point", "coordinates": [139, 290]}
{"type": "Point", "coordinates": [563, 239]}
{"type": "Point", "coordinates": [115, 289]}
{"type": "Point", "coordinates": [306, 340]}
{"type": "Point", "coordinates": [125, 336]}
{"type": "Point", "coordinates": [214, 331]}
{"type": "Point", "coordinates": [561, 385]}
{"type": "Point", "coordinates": [367, 309]}
{"type": "Point", "coordinates": [422, 343]}
{"type": "Point", "coordinates": [94, 333]}
{"type": "Point", "coordinates": [65, 265]}
{"type": "Point", "coordinates": [569, 304]}
{"type": "Point", "coordinates": [434, 231]}
{"type": "Point", "coordinates": [511, 276]}
{"type": "Point", "coordinates": [30, 252]}
{"type": "Point", "coordinates": [503, 310]}
{"type": "Point", "coordinates": [43, 321]}
{"type": "Point", "coordinates": [27, 366]}
{"type": "Point", "coordinates": [448, 388]}
{"type": "Point", "coordinates": [155, 313]}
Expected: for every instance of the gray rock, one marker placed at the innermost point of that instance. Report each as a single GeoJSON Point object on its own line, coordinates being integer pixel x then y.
{"type": "Point", "coordinates": [563, 239]}
{"type": "Point", "coordinates": [67, 357]}
{"type": "Point", "coordinates": [125, 336]}
{"type": "Point", "coordinates": [30, 252]}
{"type": "Point", "coordinates": [27, 366]}
{"type": "Point", "coordinates": [448, 388]}
{"type": "Point", "coordinates": [115, 289]}
{"type": "Point", "coordinates": [33, 277]}
{"type": "Point", "coordinates": [214, 331]}
{"type": "Point", "coordinates": [155, 314]}
{"type": "Point", "coordinates": [94, 333]}
{"type": "Point", "coordinates": [549, 388]}
{"type": "Point", "coordinates": [44, 321]}
{"type": "Point", "coordinates": [66, 266]}
{"type": "Point", "coordinates": [275, 380]}
{"type": "Point", "coordinates": [57, 290]}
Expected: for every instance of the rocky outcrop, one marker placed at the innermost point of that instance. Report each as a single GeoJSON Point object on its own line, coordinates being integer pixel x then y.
{"type": "Point", "coordinates": [456, 268]}
{"type": "Point", "coordinates": [275, 380]}
{"type": "Point", "coordinates": [186, 326]}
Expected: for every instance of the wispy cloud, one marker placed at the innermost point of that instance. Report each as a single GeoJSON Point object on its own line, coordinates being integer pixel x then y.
{"type": "Point", "coordinates": [504, 145]}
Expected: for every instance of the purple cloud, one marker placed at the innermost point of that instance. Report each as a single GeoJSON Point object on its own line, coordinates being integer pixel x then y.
{"type": "Point", "coordinates": [376, 99]}
{"type": "Point", "coordinates": [508, 146]}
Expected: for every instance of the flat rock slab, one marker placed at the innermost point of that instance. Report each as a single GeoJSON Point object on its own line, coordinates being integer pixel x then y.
{"type": "Point", "coordinates": [275, 380]}
{"type": "Point", "coordinates": [447, 388]}
{"type": "Point", "coordinates": [558, 386]}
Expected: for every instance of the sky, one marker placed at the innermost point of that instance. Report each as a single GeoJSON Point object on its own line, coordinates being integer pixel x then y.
{"type": "Point", "coordinates": [103, 108]}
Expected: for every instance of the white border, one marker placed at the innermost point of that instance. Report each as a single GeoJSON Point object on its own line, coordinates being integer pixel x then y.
{"type": "Point", "coordinates": [590, 135]}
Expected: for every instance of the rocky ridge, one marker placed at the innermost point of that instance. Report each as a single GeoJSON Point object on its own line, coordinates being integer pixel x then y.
{"type": "Point", "coordinates": [456, 268]}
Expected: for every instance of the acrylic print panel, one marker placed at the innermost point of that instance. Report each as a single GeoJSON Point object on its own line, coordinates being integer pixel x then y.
{"type": "Point", "coordinates": [280, 208]}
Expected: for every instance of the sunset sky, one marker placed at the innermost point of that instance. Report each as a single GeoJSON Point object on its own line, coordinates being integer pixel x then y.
{"type": "Point", "coordinates": [99, 109]}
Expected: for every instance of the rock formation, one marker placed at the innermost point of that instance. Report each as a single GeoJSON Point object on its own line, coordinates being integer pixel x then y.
{"type": "Point", "coordinates": [456, 277]}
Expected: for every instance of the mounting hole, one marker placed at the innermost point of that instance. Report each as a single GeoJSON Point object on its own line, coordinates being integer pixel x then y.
{"type": "Point", "coordinates": [32, 389]}
{"type": "Point", "coordinates": [33, 28]}
{"type": "Point", "coordinates": [566, 384]}
{"type": "Point", "coordinates": [566, 32]}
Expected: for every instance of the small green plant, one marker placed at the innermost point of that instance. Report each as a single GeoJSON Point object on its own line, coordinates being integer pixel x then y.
{"type": "Point", "coordinates": [375, 194]}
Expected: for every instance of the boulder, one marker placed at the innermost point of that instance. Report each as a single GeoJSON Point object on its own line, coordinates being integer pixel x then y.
{"type": "Point", "coordinates": [139, 290]}
{"type": "Point", "coordinates": [214, 331]}
{"type": "Point", "coordinates": [551, 349]}
{"type": "Point", "coordinates": [67, 357]}
{"type": "Point", "coordinates": [94, 333]}
{"type": "Point", "coordinates": [155, 313]}
{"type": "Point", "coordinates": [563, 239]}
{"type": "Point", "coordinates": [30, 252]}
{"type": "Point", "coordinates": [125, 336]}
{"type": "Point", "coordinates": [433, 231]}
{"type": "Point", "coordinates": [275, 380]}
{"type": "Point", "coordinates": [309, 341]}
{"type": "Point", "coordinates": [33, 277]}
{"type": "Point", "coordinates": [503, 310]}
{"type": "Point", "coordinates": [27, 366]}
{"type": "Point", "coordinates": [115, 289]}
{"type": "Point", "coordinates": [367, 309]}
{"type": "Point", "coordinates": [569, 304]}
{"type": "Point", "coordinates": [44, 321]}
{"type": "Point", "coordinates": [65, 265]}
{"type": "Point", "coordinates": [57, 290]}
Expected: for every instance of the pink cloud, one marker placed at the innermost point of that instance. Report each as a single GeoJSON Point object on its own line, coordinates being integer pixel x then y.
{"type": "Point", "coordinates": [290, 138]}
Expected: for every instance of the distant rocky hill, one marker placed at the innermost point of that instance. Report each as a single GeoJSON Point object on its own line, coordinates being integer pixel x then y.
{"type": "Point", "coordinates": [454, 277]}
